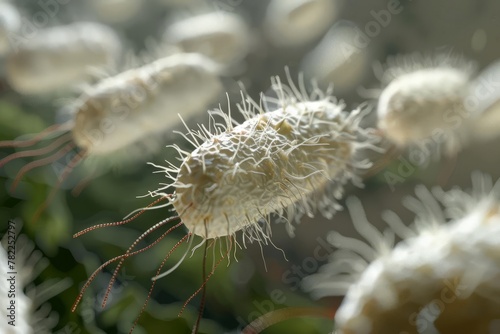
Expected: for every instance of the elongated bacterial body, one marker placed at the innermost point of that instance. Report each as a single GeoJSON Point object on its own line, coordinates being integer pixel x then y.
{"type": "Point", "coordinates": [125, 108]}
{"type": "Point", "coordinates": [129, 108]}
{"type": "Point", "coordinates": [274, 162]}
{"type": "Point", "coordinates": [449, 262]}
{"type": "Point", "coordinates": [262, 166]}
{"type": "Point", "coordinates": [290, 161]}
{"type": "Point", "coordinates": [58, 57]}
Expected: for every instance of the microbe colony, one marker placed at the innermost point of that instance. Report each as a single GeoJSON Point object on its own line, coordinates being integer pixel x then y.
{"type": "Point", "coordinates": [290, 161]}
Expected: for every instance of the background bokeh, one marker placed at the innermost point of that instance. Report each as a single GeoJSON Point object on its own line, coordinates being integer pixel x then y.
{"type": "Point", "coordinates": [238, 292]}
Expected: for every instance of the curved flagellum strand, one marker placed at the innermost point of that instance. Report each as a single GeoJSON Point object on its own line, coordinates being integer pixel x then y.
{"type": "Point", "coordinates": [157, 273]}
{"type": "Point", "coordinates": [123, 256]}
{"type": "Point", "coordinates": [122, 222]}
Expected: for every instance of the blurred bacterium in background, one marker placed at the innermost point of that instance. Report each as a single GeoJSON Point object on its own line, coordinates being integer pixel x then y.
{"type": "Point", "coordinates": [106, 104]}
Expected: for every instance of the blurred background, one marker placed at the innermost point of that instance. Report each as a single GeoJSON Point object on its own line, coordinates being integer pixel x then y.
{"type": "Point", "coordinates": [335, 42]}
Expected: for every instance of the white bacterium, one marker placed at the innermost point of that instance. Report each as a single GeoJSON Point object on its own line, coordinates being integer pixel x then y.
{"type": "Point", "coordinates": [223, 37]}
{"type": "Point", "coordinates": [10, 23]}
{"type": "Point", "coordinates": [60, 57]}
{"type": "Point", "coordinates": [289, 161]}
{"type": "Point", "coordinates": [424, 97]}
{"type": "Point", "coordinates": [335, 61]}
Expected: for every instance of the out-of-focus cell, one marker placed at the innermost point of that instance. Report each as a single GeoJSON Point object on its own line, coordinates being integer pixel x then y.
{"type": "Point", "coordinates": [484, 103]}
{"type": "Point", "coordinates": [224, 37]}
{"type": "Point", "coordinates": [143, 101]}
{"type": "Point", "coordinates": [298, 22]}
{"type": "Point", "coordinates": [114, 117]}
{"type": "Point", "coordinates": [59, 57]}
{"type": "Point", "coordinates": [281, 162]}
{"type": "Point", "coordinates": [336, 60]}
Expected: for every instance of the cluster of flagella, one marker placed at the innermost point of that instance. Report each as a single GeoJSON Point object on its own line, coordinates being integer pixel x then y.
{"type": "Point", "coordinates": [59, 57]}
{"type": "Point", "coordinates": [294, 159]}
{"type": "Point", "coordinates": [444, 277]}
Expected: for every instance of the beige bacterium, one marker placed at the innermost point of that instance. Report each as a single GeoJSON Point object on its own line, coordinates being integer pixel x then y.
{"type": "Point", "coordinates": [122, 111]}
{"type": "Point", "coordinates": [434, 281]}
{"type": "Point", "coordinates": [223, 37]}
{"type": "Point", "coordinates": [56, 58]}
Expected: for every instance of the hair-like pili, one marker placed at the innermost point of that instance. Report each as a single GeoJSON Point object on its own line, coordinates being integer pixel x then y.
{"type": "Point", "coordinates": [291, 161]}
